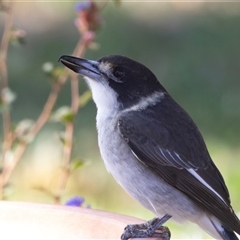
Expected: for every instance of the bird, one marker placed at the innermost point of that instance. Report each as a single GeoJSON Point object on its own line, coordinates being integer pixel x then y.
{"type": "Point", "coordinates": [153, 149]}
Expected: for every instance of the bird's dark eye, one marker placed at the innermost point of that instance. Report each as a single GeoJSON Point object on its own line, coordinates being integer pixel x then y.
{"type": "Point", "coordinates": [118, 73]}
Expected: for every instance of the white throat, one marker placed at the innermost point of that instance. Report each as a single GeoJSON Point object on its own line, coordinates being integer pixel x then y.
{"type": "Point", "coordinates": [105, 99]}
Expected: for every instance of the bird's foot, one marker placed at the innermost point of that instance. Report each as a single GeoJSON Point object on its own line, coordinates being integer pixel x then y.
{"type": "Point", "coordinates": [150, 229]}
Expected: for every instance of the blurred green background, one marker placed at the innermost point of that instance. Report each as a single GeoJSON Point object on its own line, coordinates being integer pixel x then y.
{"type": "Point", "coordinates": [193, 48]}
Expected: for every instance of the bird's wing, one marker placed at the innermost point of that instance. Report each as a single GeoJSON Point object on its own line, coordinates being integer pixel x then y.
{"type": "Point", "coordinates": [174, 148]}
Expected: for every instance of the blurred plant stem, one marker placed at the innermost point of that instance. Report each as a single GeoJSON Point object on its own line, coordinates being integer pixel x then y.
{"type": "Point", "coordinates": [69, 129]}
{"type": "Point", "coordinates": [44, 117]}
{"type": "Point", "coordinates": [67, 147]}
{"type": "Point", "coordinates": [7, 139]}
{"type": "Point", "coordinates": [50, 103]}
{"type": "Point", "coordinates": [87, 22]}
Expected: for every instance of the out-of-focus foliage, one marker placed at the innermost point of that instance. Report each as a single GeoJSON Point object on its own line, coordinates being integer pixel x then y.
{"type": "Point", "coordinates": [193, 48]}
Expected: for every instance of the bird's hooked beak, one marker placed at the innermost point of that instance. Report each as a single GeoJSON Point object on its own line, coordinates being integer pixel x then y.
{"type": "Point", "coordinates": [87, 68]}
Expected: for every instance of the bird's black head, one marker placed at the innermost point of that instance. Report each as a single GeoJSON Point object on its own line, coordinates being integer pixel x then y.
{"type": "Point", "coordinates": [131, 81]}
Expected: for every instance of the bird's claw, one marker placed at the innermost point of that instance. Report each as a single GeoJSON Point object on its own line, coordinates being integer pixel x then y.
{"type": "Point", "coordinates": [145, 230]}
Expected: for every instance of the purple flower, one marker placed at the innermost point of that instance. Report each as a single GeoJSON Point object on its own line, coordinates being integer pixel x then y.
{"type": "Point", "coordinates": [75, 202]}
{"type": "Point", "coordinates": [83, 6]}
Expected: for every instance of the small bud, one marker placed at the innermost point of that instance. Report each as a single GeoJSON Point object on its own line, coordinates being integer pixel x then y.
{"type": "Point", "coordinates": [23, 127]}
{"type": "Point", "coordinates": [18, 37]}
{"type": "Point", "coordinates": [52, 71]}
{"type": "Point", "coordinates": [63, 115]}
{"type": "Point", "coordinates": [47, 67]}
{"type": "Point", "coordinates": [7, 96]}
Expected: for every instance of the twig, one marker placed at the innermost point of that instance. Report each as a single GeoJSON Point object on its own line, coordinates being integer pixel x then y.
{"type": "Point", "coordinates": [67, 148]}
{"type": "Point", "coordinates": [68, 145]}
{"type": "Point", "coordinates": [44, 116]}
{"type": "Point", "coordinates": [7, 141]}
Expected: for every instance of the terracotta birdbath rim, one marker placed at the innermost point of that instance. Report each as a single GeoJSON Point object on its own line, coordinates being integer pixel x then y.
{"type": "Point", "coordinates": [21, 220]}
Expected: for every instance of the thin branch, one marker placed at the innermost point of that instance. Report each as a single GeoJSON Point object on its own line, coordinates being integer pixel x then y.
{"type": "Point", "coordinates": [68, 145]}
{"type": "Point", "coordinates": [45, 114]}
{"type": "Point", "coordinates": [7, 32]}
{"type": "Point", "coordinates": [69, 131]}
{"type": "Point", "coordinates": [3, 69]}
{"type": "Point", "coordinates": [7, 141]}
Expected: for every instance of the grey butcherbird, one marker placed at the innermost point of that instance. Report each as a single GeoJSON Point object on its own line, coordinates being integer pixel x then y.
{"type": "Point", "coordinates": [153, 148]}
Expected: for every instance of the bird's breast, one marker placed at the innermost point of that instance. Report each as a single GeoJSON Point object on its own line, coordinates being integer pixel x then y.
{"type": "Point", "coordinates": [141, 182]}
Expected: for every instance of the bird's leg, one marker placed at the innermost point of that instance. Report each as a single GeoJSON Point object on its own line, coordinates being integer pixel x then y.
{"type": "Point", "coordinates": [152, 228]}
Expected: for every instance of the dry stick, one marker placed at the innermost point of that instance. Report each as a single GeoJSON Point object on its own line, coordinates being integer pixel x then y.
{"type": "Point", "coordinates": [68, 143]}
{"type": "Point", "coordinates": [44, 116]}
{"type": "Point", "coordinates": [7, 141]}
{"type": "Point", "coordinates": [3, 67]}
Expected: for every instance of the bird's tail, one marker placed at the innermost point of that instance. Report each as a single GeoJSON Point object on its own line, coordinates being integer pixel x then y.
{"type": "Point", "coordinates": [229, 235]}
{"type": "Point", "coordinates": [216, 229]}
{"type": "Point", "coordinates": [225, 233]}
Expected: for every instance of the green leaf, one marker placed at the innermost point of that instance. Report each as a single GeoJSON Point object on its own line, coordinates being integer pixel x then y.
{"type": "Point", "coordinates": [63, 115]}
{"type": "Point", "coordinates": [77, 163]}
{"type": "Point", "coordinates": [62, 138]}
{"type": "Point", "coordinates": [52, 71]}
{"type": "Point", "coordinates": [57, 71]}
